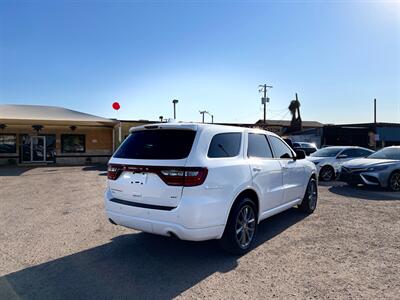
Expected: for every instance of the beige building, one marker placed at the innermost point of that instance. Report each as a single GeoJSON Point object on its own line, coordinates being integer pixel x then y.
{"type": "Point", "coordinates": [32, 134]}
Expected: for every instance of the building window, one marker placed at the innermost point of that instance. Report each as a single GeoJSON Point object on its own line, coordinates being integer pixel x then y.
{"type": "Point", "coordinates": [73, 143]}
{"type": "Point", "coordinates": [8, 143]}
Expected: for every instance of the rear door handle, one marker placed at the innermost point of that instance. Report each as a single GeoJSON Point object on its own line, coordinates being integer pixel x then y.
{"type": "Point", "coordinates": [257, 169]}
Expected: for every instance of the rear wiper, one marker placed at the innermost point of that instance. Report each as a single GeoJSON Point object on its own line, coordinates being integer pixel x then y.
{"type": "Point", "coordinates": [223, 149]}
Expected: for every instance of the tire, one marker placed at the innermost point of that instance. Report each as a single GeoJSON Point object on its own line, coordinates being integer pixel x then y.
{"type": "Point", "coordinates": [327, 173]}
{"type": "Point", "coordinates": [309, 203]}
{"type": "Point", "coordinates": [234, 240]}
{"type": "Point", "coordinates": [394, 181]}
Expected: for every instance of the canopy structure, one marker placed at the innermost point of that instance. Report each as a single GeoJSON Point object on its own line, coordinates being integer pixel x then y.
{"type": "Point", "coordinates": [48, 115]}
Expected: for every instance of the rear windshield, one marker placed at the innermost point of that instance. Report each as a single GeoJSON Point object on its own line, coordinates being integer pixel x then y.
{"type": "Point", "coordinates": [157, 144]}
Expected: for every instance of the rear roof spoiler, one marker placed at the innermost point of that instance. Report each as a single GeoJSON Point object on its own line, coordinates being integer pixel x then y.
{"type": "Point", "coordinates": [164, 126]}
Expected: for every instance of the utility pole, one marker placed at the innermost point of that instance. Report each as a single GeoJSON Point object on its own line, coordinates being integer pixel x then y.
{"type": "Point", "coordinates": [203, 112]}
{"type": "Point", "coordinates": [175, 101]}
{"type": "Point", "coordinates": [212, 119]}
{"type": "Point", "coordinates": [262, 88]}
{"type": "Point", "coordinates": [375, 111]}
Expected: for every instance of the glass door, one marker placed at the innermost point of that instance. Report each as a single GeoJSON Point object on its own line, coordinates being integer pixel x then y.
{"type": "Point", "coordinates": [33, 148]}
{"type": "Point", "coordinates": [26, 153]}
{"type": "Point", "coordinates": [38, 148]}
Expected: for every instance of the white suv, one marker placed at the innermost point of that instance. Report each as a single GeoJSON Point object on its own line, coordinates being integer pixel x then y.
{"type": "Point", "coordinates": [201, 181]}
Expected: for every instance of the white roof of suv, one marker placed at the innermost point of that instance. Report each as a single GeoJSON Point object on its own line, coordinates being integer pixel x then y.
{"type": "Point", "coordinates": [199, 126]}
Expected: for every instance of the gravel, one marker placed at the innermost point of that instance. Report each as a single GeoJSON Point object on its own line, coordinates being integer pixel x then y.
{"type": "Point", "coordinates": [56, 243]}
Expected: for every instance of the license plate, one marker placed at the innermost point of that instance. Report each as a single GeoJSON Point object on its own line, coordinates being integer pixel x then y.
{"type": "Point", "coordinates": [138, 178]}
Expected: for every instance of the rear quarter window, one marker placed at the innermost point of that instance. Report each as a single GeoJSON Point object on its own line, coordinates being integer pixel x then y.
{"type": "Point", "coordinates": [225, 145]}
{"type": "Point", "coordinates": [157, 144]}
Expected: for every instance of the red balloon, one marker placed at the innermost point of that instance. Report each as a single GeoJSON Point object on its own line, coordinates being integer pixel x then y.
{"type": "Point", "coordinates": [116, 106]}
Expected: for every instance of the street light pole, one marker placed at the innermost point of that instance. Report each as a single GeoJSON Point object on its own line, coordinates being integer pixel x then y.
{"type": "Point", "coordinates": [175, 101]}
{"type": "Point", "coordinates": [203, 112]}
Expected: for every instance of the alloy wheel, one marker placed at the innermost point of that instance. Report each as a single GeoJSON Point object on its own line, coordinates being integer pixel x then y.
{"type": "Point", "coordinates": [312, 195]}
{"type": "Point", "coordinates": [395, 182]}
{"type": "Point", "coordinates": [245, 226]}
{"type": "Point", "coordinates": [327, 174]}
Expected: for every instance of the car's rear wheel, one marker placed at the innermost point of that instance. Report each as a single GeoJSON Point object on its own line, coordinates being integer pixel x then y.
{"type": "Point", "coordinates": [327, 173]}
{"type": "Point", "coordinates": [309, 203]}
{"type": "Point", "coordinates": [394, 181]}
{"type": "Point", "coordinates": [240, 231]}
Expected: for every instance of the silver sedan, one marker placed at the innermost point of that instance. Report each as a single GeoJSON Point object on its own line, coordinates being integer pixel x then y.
{"type": "Point", "coordinates": [381, 168]}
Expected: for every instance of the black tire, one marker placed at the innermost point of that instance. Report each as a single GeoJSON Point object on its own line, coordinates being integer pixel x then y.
{"type": "Point", "coordinates": [309, 203]}
{"type": "Point", "coordinates": [231, 240]}
{"type": "Point", "coordinates": [394, 181]}
{"type": "Point", "coordinates": [327, 173]}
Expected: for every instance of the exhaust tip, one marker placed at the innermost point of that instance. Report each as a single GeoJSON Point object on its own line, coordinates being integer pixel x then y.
{"type": "Point", "coordinates": [112, 222]}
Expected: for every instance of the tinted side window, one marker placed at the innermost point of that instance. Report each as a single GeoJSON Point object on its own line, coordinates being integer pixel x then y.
{"type": "Point", "coordinates": [280, 149]}
{"type": "Point", "coordinates": [352, 153]}
{"type": "Point", "coordinates": [258, 146]}
{"type": "Point", "coordinates": [225, 145]}
{"type": "Point", "coordinates": [363, 153]}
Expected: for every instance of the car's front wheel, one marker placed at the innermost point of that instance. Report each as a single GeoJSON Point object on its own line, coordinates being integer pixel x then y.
{"type": "Point", "coordinates": [394, 181]}
{"type": "Point", "coordinates": [240, 231]}
{"type": "Point", "coordinates": [309, 203]}
{"type": "Point", "coordinates": [327, 173]}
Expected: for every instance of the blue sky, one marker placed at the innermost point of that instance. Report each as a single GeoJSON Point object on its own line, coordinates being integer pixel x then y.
{"type": "Point", "coordinates": [84, 55]}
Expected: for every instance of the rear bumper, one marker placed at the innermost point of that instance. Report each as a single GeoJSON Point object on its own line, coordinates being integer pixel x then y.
{"type": "Point", "coordinates": [165, 228]}
{"type": "Point", "coordinates": [193, 219]}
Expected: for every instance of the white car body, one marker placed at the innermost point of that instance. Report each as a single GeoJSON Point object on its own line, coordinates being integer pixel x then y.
{"type": "Point", "coordinates": [336, 161]}
{"type": "Point", "coordinates": [201, 212]}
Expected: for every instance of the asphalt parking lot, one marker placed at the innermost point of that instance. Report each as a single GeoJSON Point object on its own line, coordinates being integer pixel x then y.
{"type": "Point", "coordinates": [57, 244]}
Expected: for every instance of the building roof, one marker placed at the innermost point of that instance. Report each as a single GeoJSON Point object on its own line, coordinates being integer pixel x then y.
{"type": "Point", "coordinates": [48, 115]}
{"type": "Point", "coordinates": [363, 125]}
{"type": "Point", "coordinates": [286, 123]}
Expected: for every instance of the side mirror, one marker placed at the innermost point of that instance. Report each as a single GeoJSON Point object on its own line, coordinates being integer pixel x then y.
{"type": "Point", "coordinates": [342, 156]}
{"type": "Point", "coordinates": [300, 154]}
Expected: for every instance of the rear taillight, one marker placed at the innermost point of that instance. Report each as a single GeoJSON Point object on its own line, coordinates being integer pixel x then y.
{"type": "Point", "coordinates": [183, 176]}
{"type": "Point", "coordinates": [114, 171]}
{"type": "Point", "coordinates": [177, 176]}
{"type": "Point", "coordinates": [195, 177]}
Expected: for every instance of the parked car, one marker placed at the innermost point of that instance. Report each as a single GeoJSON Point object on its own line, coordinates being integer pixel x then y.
{"type": "Point", "coordinates": [381, 168]}
{"type": "Point", "coordinates": [200, 182]}
{"type": "Point", "coordinates": [330, 159]}
{"type": "Point", "coordinates": [308, 148]}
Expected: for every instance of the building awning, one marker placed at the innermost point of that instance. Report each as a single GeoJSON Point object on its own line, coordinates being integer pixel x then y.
{"type": "Point", "coordinates": [48, 115]}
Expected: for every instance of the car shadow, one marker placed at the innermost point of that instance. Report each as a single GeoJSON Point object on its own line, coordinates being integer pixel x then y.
{"type": "Point", "coordinates": [102, 168]}
{"type": "Point", "coordinates": [13, 170]}
{"type": "Point", "coordinates": [133, 266]}
{"type": "Point", "coordinates": [364, 192]}
{"type": "Point", "coordinates": [21, 170]}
